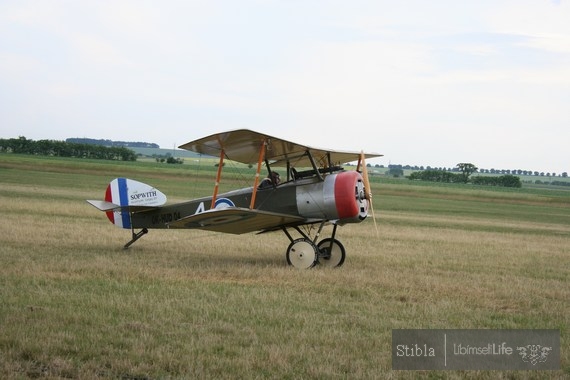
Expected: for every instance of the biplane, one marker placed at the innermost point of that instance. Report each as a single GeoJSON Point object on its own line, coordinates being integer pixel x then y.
{"type": "Point", "coordinates": [315, 191]}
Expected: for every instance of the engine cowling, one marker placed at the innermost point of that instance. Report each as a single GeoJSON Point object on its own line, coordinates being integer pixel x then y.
{"type": "Point", "coordinates": [340, 196]}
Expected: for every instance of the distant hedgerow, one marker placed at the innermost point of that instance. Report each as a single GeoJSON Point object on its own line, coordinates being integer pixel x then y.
{"type": "Point", "coordinates": [56, 148]}
{"type": "Point", "coordinates": [506, 180]}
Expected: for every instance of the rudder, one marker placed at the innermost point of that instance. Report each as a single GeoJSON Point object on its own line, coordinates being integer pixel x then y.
{"type": "Point", "coordinates": [123, 195]}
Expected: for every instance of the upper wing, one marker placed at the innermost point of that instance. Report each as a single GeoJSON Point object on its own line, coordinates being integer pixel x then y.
{"type": "Point", "coordinates": [236, 220]}
{"type": "Point", "coordinates": [243, 145]}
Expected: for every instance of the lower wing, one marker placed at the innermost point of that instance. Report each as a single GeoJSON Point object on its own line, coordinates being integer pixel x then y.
{"type": "Point", "coordinates": [236, 220]}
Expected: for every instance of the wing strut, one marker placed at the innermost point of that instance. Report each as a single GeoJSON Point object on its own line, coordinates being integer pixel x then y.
{"type": "Point", "coordinates": [218, 177]}
{"type": "Point", "coordinates": [257, 172]}
{"type": "Point", "coordinates": [314, 164]}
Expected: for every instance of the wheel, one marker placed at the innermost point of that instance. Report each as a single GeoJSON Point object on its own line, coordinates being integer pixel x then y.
{"type": "Point", "coordinates": [302, 254]}
{"type": "Point", "coordinates": [331, 256]}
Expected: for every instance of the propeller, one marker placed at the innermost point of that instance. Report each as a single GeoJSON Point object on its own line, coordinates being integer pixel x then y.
{"type": "Point", "coordinates": [367, 189]}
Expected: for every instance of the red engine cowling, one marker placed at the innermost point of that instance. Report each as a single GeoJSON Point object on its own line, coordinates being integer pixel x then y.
{"type": "Point", "coordinates": [339, 197]}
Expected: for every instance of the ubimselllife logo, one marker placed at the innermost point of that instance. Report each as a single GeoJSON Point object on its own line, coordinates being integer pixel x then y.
{"type": "Point", "coordinates": [534, 353]}
{"type": "Point", "coordinates": [476, 349]}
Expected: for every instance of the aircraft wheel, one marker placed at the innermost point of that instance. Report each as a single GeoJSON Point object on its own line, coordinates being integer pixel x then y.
{"type": "Point", "coordinates": [302, 254]}
{"type": "Point", "coordinates": [331, 256]}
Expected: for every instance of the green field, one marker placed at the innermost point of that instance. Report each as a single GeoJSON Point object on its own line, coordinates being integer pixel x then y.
{"type": "Point", "coordinates": [195, 304]}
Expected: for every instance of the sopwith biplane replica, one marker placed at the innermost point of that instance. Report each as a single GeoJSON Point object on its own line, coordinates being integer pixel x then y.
{"type": "Point", "coordinates": [316, 191]}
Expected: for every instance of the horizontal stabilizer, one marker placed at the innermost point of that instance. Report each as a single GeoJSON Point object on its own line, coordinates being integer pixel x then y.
{"type": "Point", "coordinates": [236, 220]}
{"type": "Point", "coordinates": [103, 205]}
{"type": "Point", "coordinates": [108, 206]}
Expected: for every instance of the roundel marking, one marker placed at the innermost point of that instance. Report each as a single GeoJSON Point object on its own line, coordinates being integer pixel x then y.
{"type": "Point", "coordinates": [222, 203]}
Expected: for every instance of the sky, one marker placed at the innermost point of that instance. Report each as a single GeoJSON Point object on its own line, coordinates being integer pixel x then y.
{"type": "Point", "coordinates": [422, 82]}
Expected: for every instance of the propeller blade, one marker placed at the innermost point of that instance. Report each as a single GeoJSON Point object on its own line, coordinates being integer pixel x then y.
{"type": "Point", "coordinates": [367, 189]}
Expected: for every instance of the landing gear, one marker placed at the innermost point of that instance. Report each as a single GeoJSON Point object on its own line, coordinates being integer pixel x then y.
{"type": "Point", "coordinates": [331, 252]}
{"type": "Point", "coordinates": [304, 253]}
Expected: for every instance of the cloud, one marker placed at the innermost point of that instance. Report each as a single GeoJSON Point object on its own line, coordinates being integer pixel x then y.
{"type": "Point", "coordinates": [96, 51]}
{"type": "Point", "coordinates": [556, 43]}
{"type": "Point", "coordinates": [545, 26]}
{"type": "Point", "coordinates": [17, 64]}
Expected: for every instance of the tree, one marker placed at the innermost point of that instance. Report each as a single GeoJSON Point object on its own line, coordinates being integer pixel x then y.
{"type": "Point", "coordinates": [436, 176]}
{"type": "Point", "coordinates": [172, 160]}
{"type": "Point", "coordinates": [466, 170]}
{"type": "Point", "coordinates": [507, 180]}
{"type": "Point", "coordinates": [395, 172]}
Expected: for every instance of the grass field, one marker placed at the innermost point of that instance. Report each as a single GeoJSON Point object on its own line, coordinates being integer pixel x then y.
{"type": "Point", "coordinates": [194, 304]}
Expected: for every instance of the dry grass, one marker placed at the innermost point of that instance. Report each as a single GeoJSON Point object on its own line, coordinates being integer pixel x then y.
{"type": "Point", "coordinates": [186, 304]}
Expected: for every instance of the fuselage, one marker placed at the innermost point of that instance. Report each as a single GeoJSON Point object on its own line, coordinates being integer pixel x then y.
{"type": "Point", "coordinates": [339, 197]}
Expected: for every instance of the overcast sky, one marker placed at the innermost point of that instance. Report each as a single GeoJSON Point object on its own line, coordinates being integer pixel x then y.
{"type": "Point", "coordinates": [422, 82]}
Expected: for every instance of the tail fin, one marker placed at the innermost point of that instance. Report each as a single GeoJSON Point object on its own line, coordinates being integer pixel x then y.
{"type": "Point", "coordinates": [125, 195]}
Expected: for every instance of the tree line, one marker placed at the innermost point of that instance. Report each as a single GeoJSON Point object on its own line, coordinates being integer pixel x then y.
{"type": "Point", "coordinates": [485, 171]}
{"type": "Point", "coordinates": [22, 145]}
{"type": "Point", "coordinates": [463, 175]}
{"type": "Point", "coordinates": [105, 142]}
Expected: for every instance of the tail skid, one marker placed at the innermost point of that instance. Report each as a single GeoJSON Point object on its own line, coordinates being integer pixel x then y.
{"type": "Point", "coordinates": [136, 236]}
